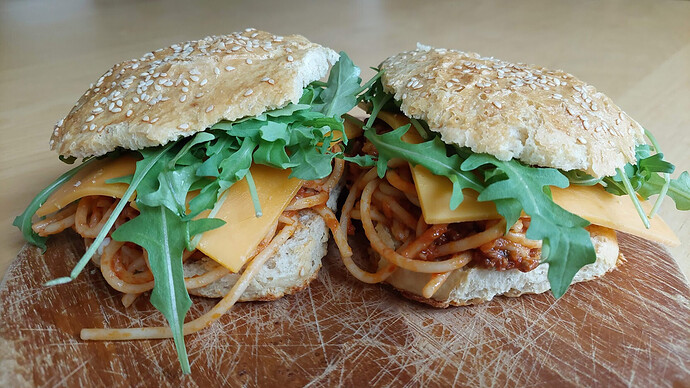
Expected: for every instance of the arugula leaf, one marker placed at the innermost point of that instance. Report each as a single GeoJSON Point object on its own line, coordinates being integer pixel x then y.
{"type": "Point", "coordinates": [309, 162]}
{"type": "Point", "coordinates": [341, 90]}
{"type": "Point", "coordinates": [24, 220]}
{"type": "Point", "coordinates": [163, 234]}
{"type": "Point", "coordinates": [172, 190]}
{"type": "Point", "coordinates": [201, 137]}
{"type": "Point", "coordinates": [431, 154]}
{"type": "Point", "coordinates": [566, 245]}
{"type": "Point", "coordinates": [679, 189]}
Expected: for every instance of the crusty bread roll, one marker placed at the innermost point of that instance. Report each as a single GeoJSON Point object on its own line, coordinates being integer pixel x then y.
{"type": "Point", "coordinates": [185, 88]}
{"type": "Point", "coordinates": [542, 117]}
{"type": "Point", "coordinates": [466, 286]}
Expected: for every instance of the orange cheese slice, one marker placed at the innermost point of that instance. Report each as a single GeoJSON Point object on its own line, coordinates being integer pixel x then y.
{"type": "Point", "coordinates": [592, 203]}
{"type": "Point", "coordinates": [230, 245]}
{"type": "Point", "coordinates": [91, 181]}
{"type": "Point", "coordinates": [233, 244]}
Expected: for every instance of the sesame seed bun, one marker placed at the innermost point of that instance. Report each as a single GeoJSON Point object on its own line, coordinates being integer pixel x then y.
{"type": "Point", "coordinates": [183, 89]}
{"type": "Point", "coordinates": [542, 117]}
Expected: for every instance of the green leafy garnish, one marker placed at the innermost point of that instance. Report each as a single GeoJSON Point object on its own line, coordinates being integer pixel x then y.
{"type": "Point", "coordinates": [164, 235]}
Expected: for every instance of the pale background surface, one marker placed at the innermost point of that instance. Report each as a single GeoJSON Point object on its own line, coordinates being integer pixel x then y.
{"type": "Point", "coordinates": [636, 52]}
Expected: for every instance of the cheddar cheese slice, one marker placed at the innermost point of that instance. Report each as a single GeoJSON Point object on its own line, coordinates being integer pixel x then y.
{"type": "Point", "coordinates": [91, 181]}
{"type": "Point", "coordinates": [233, 244]}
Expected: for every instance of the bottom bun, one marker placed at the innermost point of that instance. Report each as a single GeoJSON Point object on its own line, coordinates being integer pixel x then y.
{"type": "Point", "coordinates": [468, 286]}
{"type": "Point", "coordinates": [291, 269]}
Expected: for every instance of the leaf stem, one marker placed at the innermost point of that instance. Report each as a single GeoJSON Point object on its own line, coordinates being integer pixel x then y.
{"type": "Point", "coordinates": [212, 214]}
{"type": "Point", "coordinates": [254, 194]}
{"type": "Point", "coordinates": [110, 222]}
{"type": "Point", "coordinates": [420, 129]}
{"type": "Point", "coordinates": [667, 178]}
{"type": "Point", "coordinates": [375, 111]}
{"type": "Point", "coordinates": [633, 197]}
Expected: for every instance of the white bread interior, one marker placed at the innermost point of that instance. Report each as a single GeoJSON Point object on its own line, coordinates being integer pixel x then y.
{"type": "Point", "coordinates": [542, 117]}
{"type": "Point", "coordinates": [468, 286]}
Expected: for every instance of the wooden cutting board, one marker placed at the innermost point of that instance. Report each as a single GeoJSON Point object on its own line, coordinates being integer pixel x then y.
{"type": "Point", "coordinates": [630, 328]}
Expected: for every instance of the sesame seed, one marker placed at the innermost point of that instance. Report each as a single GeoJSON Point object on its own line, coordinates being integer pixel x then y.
{"type": "Point", "coordinates": [449, 84]}
{"type": "Point", "coordinates": [249, 61]}
{"type": "Point", "coordinates": [97, 111]}
{"type": "Point", "coordinates": [185, 82]}
{"type": "Point", "coordinates": [195, 71]}
{"type": "Point", "coordinates": [183, 126]}
{"type": "Point", "coordinates": [90, 118]}
{"type": "Point", "coordinates": [271, 81]}
{"type": "Point", "coordinates": [582, 140]}
{"type": "Point", "coordinates": [135, 99]}
{"type": "Point", "coordinates": [290, 58]}
{"type": "Point", "coordinates": [248, 92]}
{"type": "Point", "coordinates": [203, 82]}
{"type": "Point", "coordinates": [194, 78]}
{"type": "Point", "coordinates": [117, 110]}
{"type": "Point", "coordinates": [210, 108]}
{"type": "Point", "coordinates": [154, 120]}
{"type": "Point", "coordinates": [183, 98]}
{"type": "Point", "coordinates": [199, 95]}
{"type": "Point", "coordinates": [265, 79]}
{"type": "Point", "coordinates": [216, 71]}
{"type": "Point", "coordinates": [235, 48]}
{"type": "Point", "coordinates": [92, 127]}
{"type": "Point", "coordinates": [229, 68]}
{"type": "Point", "coordinates": [145, 118]}
{"type": "Point", "coordinates": [118, 103]}
{"type": "Point", "coordinates": [168, 84]}
{"type": "Point", "coordinates": [498, 104]}
{"type": "Point", "coordinates": [129, 113]}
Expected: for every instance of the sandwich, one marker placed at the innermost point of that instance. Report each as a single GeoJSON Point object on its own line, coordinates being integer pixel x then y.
{"type": "Point", "coordinates": [493, 178]}
{"type": "Point", "coordinates": [210, 167]}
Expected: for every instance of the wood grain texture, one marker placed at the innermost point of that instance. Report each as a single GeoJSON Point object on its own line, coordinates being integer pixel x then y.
{"type": "Point", "coordinates": [629, 328]}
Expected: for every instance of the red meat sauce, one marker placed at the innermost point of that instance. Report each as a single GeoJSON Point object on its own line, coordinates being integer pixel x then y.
{"type": "Point", "coordinates": [500, 254]}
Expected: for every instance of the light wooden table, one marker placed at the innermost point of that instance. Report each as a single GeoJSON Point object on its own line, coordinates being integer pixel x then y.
{"type": "Point", "coordinates": [636, 52]}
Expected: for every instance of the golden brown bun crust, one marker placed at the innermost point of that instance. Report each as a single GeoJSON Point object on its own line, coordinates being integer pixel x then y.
{"type": "Point", "coordinates": [187, 87]}
{"type": "Point", "coordinates": [539, 116]}
{"type": "Point", "coordinates": [467, 286]}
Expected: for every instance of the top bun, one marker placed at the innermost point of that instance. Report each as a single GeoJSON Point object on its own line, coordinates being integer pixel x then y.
{"type": "Point", "coordinates": [187, 87]}
{"type": "Point", "coordinates": [542, 117]}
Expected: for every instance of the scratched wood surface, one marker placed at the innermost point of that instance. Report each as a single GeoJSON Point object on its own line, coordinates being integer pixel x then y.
{"type": "Point", "coordinates": [629, 328]}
